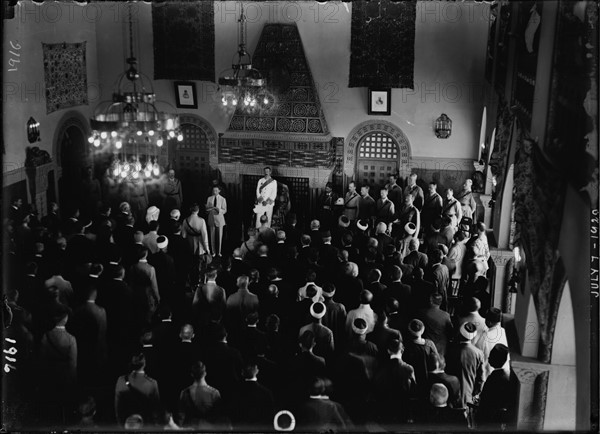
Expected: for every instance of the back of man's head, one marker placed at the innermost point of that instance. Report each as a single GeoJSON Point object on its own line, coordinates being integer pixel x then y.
{"type": "Point", "coordinates": [317, 387]}
{"type": "Point", "coordinates": [438, 397]}
{"type": "Point", "coordinates": [263, 250]}
{"type": "Point", "coordinates": [305, 240]}
{"type": "Point", "coordinates": [243, 281]}
{"type": "Point", "coordinates": [493, 316]}
{"type": "Point", "coordinates": [396, 273]}
{"type": "Point", "coordinates": [250, 370]}
{"type": "Point", "coordinates": [264, 219]}
{"type": "Point", "coordinates": [472, 304]}
{"type": "Point", "coordinates": [435, 299]}
{"type": "Point", "coordinates": [187, 332]}
{"type": "Point", "coordinates": [198, 370]}
{"type": "Point", "coordinates": [307, 340]}
{"type": "Point", "coordinates": [395, 347]}
{"type": "Point", "coordinates": [366, 297]}
{"type": "Point", "coordinates": [347, 239]}
{"type": "Point", "coordinates": [374, 275]}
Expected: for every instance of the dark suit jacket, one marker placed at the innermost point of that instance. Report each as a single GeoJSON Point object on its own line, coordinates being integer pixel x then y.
{"type": "Point", "coordinates": [252, 341]}
{"type": "Point", "coordinates": [416, 259]}
{"type": "Point", "coordinates": [88, 325]}
{"type": "Point", "coordinates": [80, 250]}
{"type": "Point", "coordinates": [500, 391]}
{"type": "Point", "coordinates": [164, 265]}
{"type": "Point", "coordinates": [137, 394]}
{"type": "Point", "coordinates": [255, 406]}
{"type": "Point", "coordinates": [394, 386]}
{"type": "Point", "coordinates": [451, 383]}
{"type": "Point", "coordinates": [328, 258]}
{"type": "Point", "coordinates": [322, 414]}
{"type": "Point", "coordinates": [335, 320]}
{"type": "Point", "coordinates": [239, 267]}
{"type": "Point", "coordinates": [349, 292]}
{"type": "Point", "coordinates": [223, 368]}
{"type": "Point", "coordinates": [438, 327]}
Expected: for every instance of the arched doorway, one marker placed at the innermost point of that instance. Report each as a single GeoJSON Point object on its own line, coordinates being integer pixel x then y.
{"type": "Point", "coordinates": [190, 159]}
{"type": "Point", "coordinates": [74, 158]}
{"type": "Point", "coordinates": [377, 157]}
{"type": "Point", "coordinates": [374, 150]}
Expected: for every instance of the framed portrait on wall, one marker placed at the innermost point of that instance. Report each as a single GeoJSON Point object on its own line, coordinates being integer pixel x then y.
{"type": "Point", "coordinates": [380, 102]}
{"type": "Point", "coordinates": [185, 94]}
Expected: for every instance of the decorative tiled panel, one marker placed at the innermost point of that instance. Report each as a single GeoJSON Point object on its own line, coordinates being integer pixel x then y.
{"type": "Point", "coordinates": [297, 108]}
{"type": "Point", "coordinates": [280, 153]}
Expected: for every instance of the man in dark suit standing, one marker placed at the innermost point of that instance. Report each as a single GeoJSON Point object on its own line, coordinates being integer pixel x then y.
{"type": "Point", "coordinates": [142, 279]}
{"type": "Point", "coordinates": [136, 393]}
{"type": "Point", "coordinates": [320, 413]}
{"type": "Point", "coordinates": [88, 325]}
{"type": "Point", "coordinates": [335, 315]}
{"type": "Point", "coordinates": [328, 256]}
{"type": "Point", "coordinates": [223, 365]}
{"type": "Point", "coordinates": [164, 265]}
{"type": "Point", "coordinates": [255, 406]}
{"type": "Point", "coordinates": [401, 292]}
{"type": "Point", "coordinates": [438, 325]}
{"type": "Point", "coordinates": [394, 387]}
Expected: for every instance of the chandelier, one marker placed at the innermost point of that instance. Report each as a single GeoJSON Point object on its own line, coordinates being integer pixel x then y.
{"type": "Point", "coordinates": [133, 125]}
{"type": "Point", "coordinates": [242, 86]}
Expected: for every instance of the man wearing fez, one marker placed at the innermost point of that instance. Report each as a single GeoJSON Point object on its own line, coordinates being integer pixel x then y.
{"type": "Point", "coordinates": [266, 193]}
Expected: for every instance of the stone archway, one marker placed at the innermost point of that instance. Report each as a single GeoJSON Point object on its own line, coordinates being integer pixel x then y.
{"type": "Point", "coordinates": [70, 148]}
{"type": "Point", "coordinates": [356, 136]}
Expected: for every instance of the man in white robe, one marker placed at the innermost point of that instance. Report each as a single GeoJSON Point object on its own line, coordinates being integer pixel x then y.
{"type": "Point", "coordinates": [266, 193]}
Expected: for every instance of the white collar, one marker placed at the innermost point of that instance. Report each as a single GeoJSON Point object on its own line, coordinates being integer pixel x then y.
{"type": "Point", "coordinates": [396, 356]}
{"type": "Point", "coordinates": [60, 327]}
{"type": "Point", "coordinates": [95, 276]}
{"type": "Point", "coordinates": [143, 260]}
{"type": "Point", "coordinates": [167, 320]}
{"type": "Point", "coordinates": [91, 301]}
{"type": "Point", "coordinates": [251, 325]}
{"type": "Point", "coordinates": [251, 379]}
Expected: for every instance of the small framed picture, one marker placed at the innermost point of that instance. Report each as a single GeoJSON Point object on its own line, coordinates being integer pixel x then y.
{"type": "Point", "coordinates": [380, 102]}
{"type": "Point", "coordinates": [185, 94]}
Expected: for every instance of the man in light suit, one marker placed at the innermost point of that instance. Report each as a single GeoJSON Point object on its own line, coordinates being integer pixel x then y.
{"type": "Point", "coordinates": [216, 208]}
{"type": "Point", "coordinates": [266, 193]}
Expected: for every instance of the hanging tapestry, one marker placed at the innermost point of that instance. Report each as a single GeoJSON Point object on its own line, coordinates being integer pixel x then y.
{"type": "Point", "coordinates": [184, 40]}
{"type": "Point", "coordinates": [527, 39]}
{"type": "Point", "coordinates": [502, 51]}
{"type": "Point", "coordinates": [572, 135]}
{"type": "Point", "coordinates": [382, 44]}
{"type": "Point", "coordinates": [539, 196]}
{"type": "Point", "coordinates": [65, 74]}
{"type": "Point", "coordinates": [504, 125]}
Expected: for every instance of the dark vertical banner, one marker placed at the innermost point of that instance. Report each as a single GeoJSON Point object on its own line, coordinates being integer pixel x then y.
{"type": "Point", "coordinates": [184, 40]}
{"type": "Point", "coordinates": [382, 44]}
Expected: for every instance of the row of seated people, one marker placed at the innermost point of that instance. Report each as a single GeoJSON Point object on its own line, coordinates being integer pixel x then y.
{"type": "Point", "coordinates": [128, 296]}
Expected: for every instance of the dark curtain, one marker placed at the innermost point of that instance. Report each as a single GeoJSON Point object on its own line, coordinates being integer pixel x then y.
{"type": "Point", "coordinates": [499, 158]}
{"type": "Point", "coordinates": [539, 196]}
{"type": "Point", "coordinates": [184, 40]}
{"type": "Point", "coordinates": [382, 44]}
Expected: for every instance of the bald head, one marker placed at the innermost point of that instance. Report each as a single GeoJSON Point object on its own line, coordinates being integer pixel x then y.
{"type": "Point", "coordinates": [187, 333]}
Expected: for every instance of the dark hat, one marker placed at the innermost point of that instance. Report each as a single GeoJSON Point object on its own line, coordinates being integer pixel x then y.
{"type": "Point", "coordinates": [328, 290]}
{"type": "Point", "coordinates": [344, 221]}
{"type": "Point", "coordinates": [59, 311]}
{"type": "Point", "coordinates": [284, 421]}
{"type": "Point", "coordinates": [317, 310]}
{"type": "Point", "coordinates": [437, 224]}
{"type": "Point", "coordinates": [494, 315]}
{"type": "Point", "coordinates": [468, 330]}
{"type": "Point", "coordinates": [359, 326]}
{"type": "Point", "coordinates": [498, 356]}
{"type": "Point", "coordinates": [162, 242]}
{"type": "Point", "coordinates": [416, 327]}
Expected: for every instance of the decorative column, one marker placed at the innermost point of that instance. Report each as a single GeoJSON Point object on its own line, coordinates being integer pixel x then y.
{"type": "Point", "coordinates": [501, 258]}
{"type": "Point", "coordinates": [533, 378]}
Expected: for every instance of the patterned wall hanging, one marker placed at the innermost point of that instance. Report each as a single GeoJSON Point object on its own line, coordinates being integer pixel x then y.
{"type": "Point", "coordinates": [382, 44]}
{"type": "Point", "coordinates": [280, 56]}
{"type": "Point", "coordinates": [539, 196]}
{"type": "Point", "coordinates": [572, 127]}
{"type": "Point", "coordinates": [65, 73]}
{"type": "Point", "coordinates": [184, 40]}
{"type": "Point", "coordinates": [499, 157]}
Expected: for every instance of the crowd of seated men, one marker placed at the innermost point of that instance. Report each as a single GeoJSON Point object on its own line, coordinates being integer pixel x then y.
{"type": "Point", "coordinates": [114, 322]}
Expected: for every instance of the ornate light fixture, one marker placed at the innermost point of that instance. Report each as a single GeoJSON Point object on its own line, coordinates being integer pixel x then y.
{"type": "Point", "coordinates": [243, 86]}
{"type": "Point", "coordinates": [33, 130]}
{"type": "Point", "coordinates": [132, 125]}
{"type": "Point", "coordinates": [443, 127]}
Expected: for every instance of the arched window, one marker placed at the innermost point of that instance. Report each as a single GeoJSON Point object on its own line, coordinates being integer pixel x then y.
{"type": "Point", "coordinates": [377, 158]}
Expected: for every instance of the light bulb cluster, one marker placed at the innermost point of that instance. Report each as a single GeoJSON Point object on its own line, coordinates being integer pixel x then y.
{"type": "Point", "coordinates": [246, 100]}
{"type": "Point", "coordinates": [133, 168]}
{"type": "Point", "coordinates": [118, 138]}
